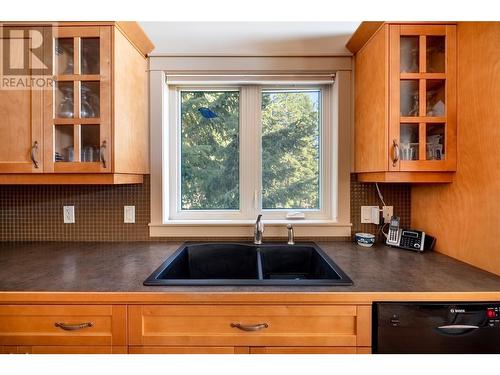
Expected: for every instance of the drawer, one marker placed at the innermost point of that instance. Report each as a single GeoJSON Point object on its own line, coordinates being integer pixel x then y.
{"type": "Point", "coordinates": [53, 325]}
{"type": "Point", "coordinates": [270, 325]}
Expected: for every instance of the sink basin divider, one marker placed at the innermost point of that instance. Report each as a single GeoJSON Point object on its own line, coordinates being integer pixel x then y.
{"type": "Point", "coordinates": [259, 265]}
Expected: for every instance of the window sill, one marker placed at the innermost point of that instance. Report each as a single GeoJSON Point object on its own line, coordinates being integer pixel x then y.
{"type": "Point", "coordinates": [244, 228]}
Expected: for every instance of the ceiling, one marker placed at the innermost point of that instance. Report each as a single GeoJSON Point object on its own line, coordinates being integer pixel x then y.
{"type": "Point", "coordinates": [250, 38]}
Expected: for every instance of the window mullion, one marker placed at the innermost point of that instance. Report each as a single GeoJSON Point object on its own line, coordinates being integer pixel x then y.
{"type": "Point", "coordinates": [249, 150]}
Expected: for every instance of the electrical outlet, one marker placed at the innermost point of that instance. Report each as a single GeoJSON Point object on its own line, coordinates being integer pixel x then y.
{"type": "Point", "coordinates": [69, 214]}
{"type": "Point", "coordinates": [387, 212]}
{"type": "Point", "coordinates": [129, 214]}
{"type": "Point", "coordinates": [366, 214]}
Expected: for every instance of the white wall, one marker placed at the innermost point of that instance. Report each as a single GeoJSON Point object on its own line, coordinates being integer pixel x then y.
{"type": "Point", "coordinates": [250, 38]}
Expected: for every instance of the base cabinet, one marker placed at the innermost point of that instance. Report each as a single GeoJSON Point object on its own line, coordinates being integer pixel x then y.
{"type": "Point", "coordinates": [185, 329]}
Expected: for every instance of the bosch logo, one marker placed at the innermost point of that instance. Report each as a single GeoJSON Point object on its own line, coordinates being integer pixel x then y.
{"type": "Point", "coordinates": [453, 311]}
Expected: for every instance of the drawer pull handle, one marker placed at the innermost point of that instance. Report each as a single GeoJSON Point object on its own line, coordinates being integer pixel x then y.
{"type": "Point", "coordinates": [250, 328]}
{"type": "Point", "coordinates": [74, 327]}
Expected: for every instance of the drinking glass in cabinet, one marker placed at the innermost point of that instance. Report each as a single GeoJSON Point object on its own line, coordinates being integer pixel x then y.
{"type": "Point", "coordinates": [408, 140]}
{"type": "Point", "coordinates": [90, 55]}
{"type": "Point", "coordinates": [89, 143]}
{"type": "Point", "coordinates": [89, 104]}
{"type": "Point", "coordinates": [434, 147]}
{"type": "Point", "coordinates": [409, 54]}
{"type": "Point", "coordinates": [64, 55]}
{"type": "Point", "coordinates": [435, 56]}
{"type": "Point", "coordinates": [435, 97]}
{"type": "Point", "coordinates": [409, 104]}
{"type": "Point", "coordinates": [64, 99]}
{"type": "Point", "coordinates": [63, 143]}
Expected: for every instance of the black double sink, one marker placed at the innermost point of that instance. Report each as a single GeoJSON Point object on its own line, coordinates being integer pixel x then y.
{"type": "Point", "coordinates": [248, 264]}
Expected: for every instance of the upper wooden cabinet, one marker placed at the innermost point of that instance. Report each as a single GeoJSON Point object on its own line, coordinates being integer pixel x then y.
{"type": "Point", "coordinates": [88, 123]}
{"type": "Point", "coordinates": [405, 102]}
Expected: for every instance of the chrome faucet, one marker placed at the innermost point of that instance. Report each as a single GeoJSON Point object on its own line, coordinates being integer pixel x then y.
{"type": "Point", "coordinates": [258, 231]}
{"type": "Point", "coordinates": [291, 240]}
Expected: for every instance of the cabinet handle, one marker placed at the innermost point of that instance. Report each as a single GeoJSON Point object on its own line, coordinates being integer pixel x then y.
{"type": "Point", "coordinates": [395, 152]}
{"type": "Point", "coordinates": [34, 150]}
{"type": "Point", "coordinates": [249, 328]}
{"type": "Point", "coordinates": [73, 327]}
{"type": "Point", "coordinates": [101, 153]}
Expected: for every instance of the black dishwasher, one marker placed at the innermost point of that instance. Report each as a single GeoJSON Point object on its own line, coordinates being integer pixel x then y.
{"type": "Point", "coordinates": [432, 327]}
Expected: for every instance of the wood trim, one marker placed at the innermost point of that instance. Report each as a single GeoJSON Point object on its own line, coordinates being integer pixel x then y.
{"type": "Point", "coordinates": [303, 350]}
{"type": "Point", "coordinates": [134, 325]}
{"type": "Point", "coordinates": [394, 96]}
{"type": "Point", "coordinates": [136, 36]}
{"type": "Point", "coordinates": [70, 179]}
{"type": "Point", "coordinates": [362, 34]}
{"type": "Point", "coordinates": [367, 29]}
{"type": "Point", "coordinates": [407, 177]}
{"type": "Point", "coordinates": [189, 350]}
{"type": "Point", "coordinates": [364, 326]}
{"type": "Point", "coordinates": [119, 325]}
{"type": "Point", "coordinates": [247, 298]}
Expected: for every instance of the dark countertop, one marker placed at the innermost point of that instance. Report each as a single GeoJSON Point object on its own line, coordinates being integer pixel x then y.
{"type": "Point", "coordinates": [123, 266]}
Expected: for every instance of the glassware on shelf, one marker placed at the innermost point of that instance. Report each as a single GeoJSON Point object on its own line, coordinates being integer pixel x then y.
{"type": "Point", "coordinates": [409, 105]}
{"type": "Point", "coordinates": [89, 135]}
{"type": "Point", "coordinates": [408, 151]}
{"type": "Point", "coordinates": [409, 54]}
{"type": "Point", "coordinates": [64, 96]}
{"type": "Point", "coordinates": [63, 143]}
{"type": "Point", "coordinates": [64, 55]}
{"type": "Point", "coordinates": [434, 147]}
{"type": "Point", "coordinates": [89, 99]}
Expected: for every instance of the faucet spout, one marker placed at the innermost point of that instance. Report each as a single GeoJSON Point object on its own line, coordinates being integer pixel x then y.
{"type": "Point", "coordinates": [291, 240]}
{"type": "Point", "coordinates": [258, 231]}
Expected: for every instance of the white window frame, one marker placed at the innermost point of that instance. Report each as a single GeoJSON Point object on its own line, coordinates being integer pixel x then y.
{"type": "Point", "coordinates": [250, 171]}
{"type": "Point", "coordinates": [161, 67]}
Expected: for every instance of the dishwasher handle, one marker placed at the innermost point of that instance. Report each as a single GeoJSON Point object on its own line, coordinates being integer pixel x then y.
{"type": "Point", "coordinates": [457, 329]}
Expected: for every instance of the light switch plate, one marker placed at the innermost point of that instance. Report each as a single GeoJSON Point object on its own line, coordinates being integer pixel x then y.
{"type": "Point", "coordinates": [129, 214]}
{"type": "Point", "coordinates": [69, 214]}
{"type": "Point", "coordinates": [366, 214]}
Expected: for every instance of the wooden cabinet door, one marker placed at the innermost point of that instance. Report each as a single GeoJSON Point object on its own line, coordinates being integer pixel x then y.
{"type": "Point", "coordinates": [77, 110]}
{"type": "Point", "coordinates": [422, 98]}
{"type": "Point", "coordinates": [20, 105]}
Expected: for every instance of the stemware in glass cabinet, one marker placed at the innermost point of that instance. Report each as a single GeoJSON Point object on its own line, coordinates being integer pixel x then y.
{"type": "Point", "coordinates": [409, 98]}
{"type": "Point", "coordinates": [64, 99]}
{"type": "Point", "coordinates": [89, 99]}
{"type": "Point", "coordinates": [64, 55]}
{"type": "Point", "coordinates": [89, 55]}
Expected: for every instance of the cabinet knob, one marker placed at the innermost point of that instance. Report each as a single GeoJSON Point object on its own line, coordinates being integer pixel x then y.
{"type": "Point", "coordinates": [34, 151]}
{"type": "Point", "coordinates": [102, 153]}
{"type": "Point", "coordinates": [395, 152]}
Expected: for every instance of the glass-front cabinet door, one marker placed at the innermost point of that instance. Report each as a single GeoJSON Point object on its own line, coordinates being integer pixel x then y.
{"type": "Point", "coordinates": [422, 97]}
{"type": "Point", "coordinates": [77, 123]}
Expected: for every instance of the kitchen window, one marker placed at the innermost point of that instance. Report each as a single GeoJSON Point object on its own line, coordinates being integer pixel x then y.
{"type": "Point", "coordinates": [234, 137]}
{"type": "Point", "coordinates": [243, 149]}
